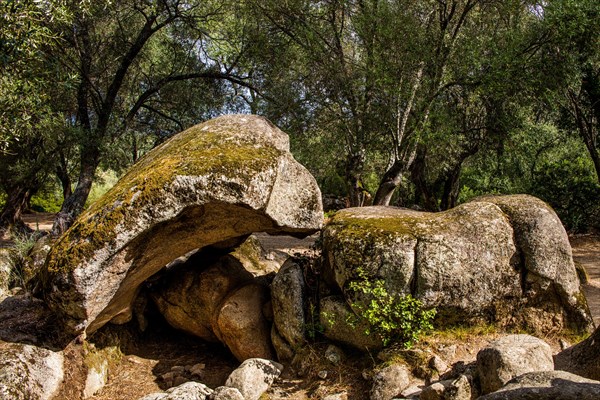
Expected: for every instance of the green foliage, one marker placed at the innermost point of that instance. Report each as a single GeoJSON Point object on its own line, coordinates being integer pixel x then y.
{"type": "Point", "coordinates": [569, 187]}
{"type": "Point", "coordinates": [47, 201]}
{"type": "Point", "coordinates": [393, 317]}
{"type": "Point", "coordinates": [105, 181]}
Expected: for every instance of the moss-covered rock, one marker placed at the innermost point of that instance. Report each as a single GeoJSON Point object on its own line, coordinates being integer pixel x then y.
{"type": "Point", "coordinates": [502, 259]}
{"type": "Point", "coordinates": [212, 184]}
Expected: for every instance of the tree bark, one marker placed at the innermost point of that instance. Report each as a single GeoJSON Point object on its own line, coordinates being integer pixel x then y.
{"type": "Point", "coordinates": [353, 171]}
{"type": "Point", "coordinates": [390, 181]}
{"type": "Point", "coordinates": [423, 194]}
{"type": "Point", "coordinates": [16, 204]}
{"type": "Point", "coordinates": [75, 203]}
{"type": "Point", "coordinates": [451, 188]}
{"type": "Point", "coordinates": [62, 172]}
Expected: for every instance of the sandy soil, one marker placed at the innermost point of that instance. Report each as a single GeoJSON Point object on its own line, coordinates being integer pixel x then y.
{"type": "Point", "coordinates": [586, 251]}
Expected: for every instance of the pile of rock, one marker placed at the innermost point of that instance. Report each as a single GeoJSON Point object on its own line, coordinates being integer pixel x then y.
{"type": "Point", "coordinates": [514, 367]}
{"type": "Point", "coordinates": [248, 382]}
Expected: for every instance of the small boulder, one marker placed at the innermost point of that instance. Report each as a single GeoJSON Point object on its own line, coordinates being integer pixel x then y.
{"type": "Point", "coordinates": [226, 393]}
{"type": "Point", "coordinates": [190, 297]}
{"type": "Point", "coordinates": [288, 297]}
{"type": "Point", "coordinates": [28, 372]}
{"type": "Point", "coordinates": [254, 377]}
{"type": "Point", "coordinates": [390, 382]}
{"type": "Point", "coordinates": [342, 325]}
{"type": "Point", "coordinates": [255, 258]}
{"type": "Point", "coordinates": [186, 391]}
{"type": "Point", "coordinates": [96, 379]}
{"type": "Point", "coordinates": [241, 324]}
{"type": "Point", "coordinates": [334, 354]}
{"type": "Point", "coordinates": [547, 385]}
{"type": "Point", "coordinates": [438, 365]}
{"type": "Point", "coordinates": [454, 389]}
{"type": "Point", "coordinates": [509, 357]}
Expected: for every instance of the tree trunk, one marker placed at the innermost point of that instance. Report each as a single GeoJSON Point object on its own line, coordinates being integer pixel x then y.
{"type": "Point", "coordinates": [16, 204]}
{"type": "Point", "coordinates": [593, 150]}
{"type": "Point", "coordinates": [73, 206]}
{"type": "Point", "coordinates": [417, 176]}
{"type": "Point", "coordinates": [390, 181]}
{"type": "Point", "coordinates": [353, 171]}
{"type": "Point", "coordinates": [451, 188]}
{"type": "Point", "coordinates": [65, 181]}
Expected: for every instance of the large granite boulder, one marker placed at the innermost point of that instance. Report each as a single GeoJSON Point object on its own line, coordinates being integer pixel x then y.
{"type": "Point", "coordinates": [497, 259]}
{"type": "Point", "coordinates": [213, 184]}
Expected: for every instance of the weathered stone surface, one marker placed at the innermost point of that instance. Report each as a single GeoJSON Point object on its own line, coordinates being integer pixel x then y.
{"type": "Point", "coordinates": [241, 324]}
{"type": "Point", "coordinates": [509, 357]}
{"type": "Point", "coordinates": [212, 184]}
{"type": "Point", "coordinates": [288, 299]}
{"type": "Point", "coordinates": [29, 372]}
{"type": "Point", "coordinates": [582, 359]}
{"type": "Point", "coordinates": [4, 273]}
{"type": "Point", "coordinates": [282, 348]}
{"type": "Point", "coordinates": [453, 389]}
{"type": "Point", "coordinates": [334, 318]}
{"type": "Point", "coordinates": [186, 391]}
{"type": "Point", "coordinates": [26, 319]}
{"type": "Point", "coordinates": [190, 298]}
{"type": "Point", "coordinates": [254, 377]}
{"type": "Point", "coordinates": [390, 382]}
{"type": "Point", "coordinates": [256, 259]}
{"type": "Point", "coordinates": [466, 261]}
{"type": "Point", "coordinates": [96, 379]}
{"type": "Point", "coordinates": [226, 393]}
{"type": "Point", "coordinates": [547, 385]}
{"type": "Point", "coordinates": [547, 253]}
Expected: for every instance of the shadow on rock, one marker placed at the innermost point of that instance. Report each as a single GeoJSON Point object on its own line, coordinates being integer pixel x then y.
{"type": "Point", "coordinates": [26, 319]}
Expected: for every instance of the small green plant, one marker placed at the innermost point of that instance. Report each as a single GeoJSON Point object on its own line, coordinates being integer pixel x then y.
{"type": "Point", "coordinates": [393, 317]}
{"type": "Point", "coordinates": [18, 259]}
{"type": "Point", "coordinates": [313, 325]}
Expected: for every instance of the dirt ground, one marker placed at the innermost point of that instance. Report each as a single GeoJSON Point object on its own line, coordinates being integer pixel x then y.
{"type": "Point", "coordinates": [586, 251]}
{"type": "Point", "coordinates": [151, 355]}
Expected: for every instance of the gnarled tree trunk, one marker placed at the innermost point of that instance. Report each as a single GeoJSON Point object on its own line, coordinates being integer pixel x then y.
{"type": "Point", "coordinates": [16, 204]}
